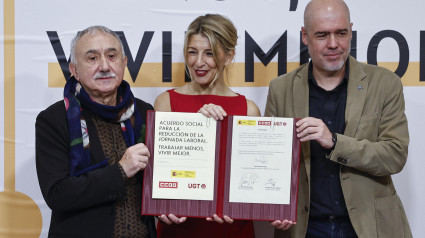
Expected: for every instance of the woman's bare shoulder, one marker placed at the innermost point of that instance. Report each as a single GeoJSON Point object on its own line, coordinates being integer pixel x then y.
{"type": "Point", "coordinates": [162, 102]}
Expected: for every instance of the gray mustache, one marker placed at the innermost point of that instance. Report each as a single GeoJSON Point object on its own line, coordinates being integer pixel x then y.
{"type": "Point", "coordinates": [104, 75]}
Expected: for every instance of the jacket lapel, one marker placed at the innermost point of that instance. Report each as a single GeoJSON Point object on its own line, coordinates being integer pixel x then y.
{"type": "Point", "coordinates": [301, 105]}
{"type": "Point", "coordinates": [356, 96]}
{"type": "Point", "coordinates": [301, 93]}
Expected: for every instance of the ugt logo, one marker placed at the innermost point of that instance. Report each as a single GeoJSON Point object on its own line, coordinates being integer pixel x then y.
{"type": "Point", "coordinates": [196, 185]}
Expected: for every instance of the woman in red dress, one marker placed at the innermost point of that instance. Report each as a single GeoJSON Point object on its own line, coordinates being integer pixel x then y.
{"type": "Point", "coordinates": [209, 48]}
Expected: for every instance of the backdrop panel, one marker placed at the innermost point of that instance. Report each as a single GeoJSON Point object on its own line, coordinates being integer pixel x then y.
{"type": "Point", "coordinates": [388, 33]}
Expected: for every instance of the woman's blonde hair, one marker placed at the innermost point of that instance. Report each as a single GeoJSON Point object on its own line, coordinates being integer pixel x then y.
{"type": "Point", "coordinates": [220, 32]}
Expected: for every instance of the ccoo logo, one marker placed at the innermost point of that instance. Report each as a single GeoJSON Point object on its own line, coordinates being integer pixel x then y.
{"type": "Point", "coordinates": [168, 184]}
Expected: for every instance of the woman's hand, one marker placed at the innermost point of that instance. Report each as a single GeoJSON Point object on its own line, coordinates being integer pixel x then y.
{"type": "Point", "coordinates": [219, 220]}
{"type": "Point", "coordinates": [214, 111]}
{"type": "Point", "coordinates": [171, 219]}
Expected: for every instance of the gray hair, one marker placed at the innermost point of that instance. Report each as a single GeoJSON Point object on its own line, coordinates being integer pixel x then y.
{"type": "Point", "coordinates": [92, 30]}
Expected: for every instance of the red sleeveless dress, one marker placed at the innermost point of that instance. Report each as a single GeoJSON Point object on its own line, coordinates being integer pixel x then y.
{"type": "Point", "coordinates": [199, 227]}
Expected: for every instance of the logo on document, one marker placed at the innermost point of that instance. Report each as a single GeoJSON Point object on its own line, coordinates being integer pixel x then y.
{"type": "Point", "coordinates": [247, 122]}
{"type": "Point", "coordinates": [196, 185]}
{"type": "Point", "coordinates": [264, 123]}
{"type": "Point", "coordinates": [168, 184]}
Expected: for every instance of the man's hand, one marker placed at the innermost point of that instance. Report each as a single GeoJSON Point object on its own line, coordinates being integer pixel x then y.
{"type": "Point", "coordinates": [134, 159]}
{"type": "Point", "coordinates": [282, 225]}
{"type": "Point", "coordinates": [311, 128]}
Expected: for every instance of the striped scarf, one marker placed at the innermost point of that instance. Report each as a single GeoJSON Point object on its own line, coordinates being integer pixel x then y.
{"type": "Point", "coordinates": [125, 112]}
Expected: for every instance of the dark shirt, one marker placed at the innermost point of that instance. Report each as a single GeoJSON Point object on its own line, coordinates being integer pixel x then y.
{"type": "Point", "coordinates": [327, 198]}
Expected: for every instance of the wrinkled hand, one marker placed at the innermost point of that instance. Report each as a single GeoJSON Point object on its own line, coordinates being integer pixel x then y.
{"type": "Point", "coordinates": [134, 159]}
{"type": "Point", "coordinates": [311, 128]}
{"type": "Point", "coordinates": [219, 220]}
{"type": "Point", "coordinates": [214, 111]}
{"type": "Point", "coordinates": [282, 225]}
{"type": "Point", "coordinates": [171, 219]}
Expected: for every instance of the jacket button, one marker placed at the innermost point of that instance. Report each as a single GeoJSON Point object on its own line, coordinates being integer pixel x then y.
{"type": "Point", "coordinates": [306, 209]}
{"type": "Point", "coordinates": [342, 160]}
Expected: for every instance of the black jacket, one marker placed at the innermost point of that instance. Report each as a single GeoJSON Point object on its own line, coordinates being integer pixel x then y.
{"type": "Point", "coordinates": [82, 206]}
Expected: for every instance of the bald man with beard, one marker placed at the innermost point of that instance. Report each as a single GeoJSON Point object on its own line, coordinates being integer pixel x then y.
{"type": "Point", "coordinates": [353, 131]}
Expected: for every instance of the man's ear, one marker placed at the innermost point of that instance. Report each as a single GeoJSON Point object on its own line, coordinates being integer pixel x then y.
{"type": "Point", "coordinates": [304, 35]}
{"type": "Point", "coordinates": [125, 61]}
{"type": "Point", "coordinates": [73, 70]}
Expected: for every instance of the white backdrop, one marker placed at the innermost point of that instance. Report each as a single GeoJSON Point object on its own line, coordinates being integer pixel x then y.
{"type": "Point", "coordinates": [38, 82]}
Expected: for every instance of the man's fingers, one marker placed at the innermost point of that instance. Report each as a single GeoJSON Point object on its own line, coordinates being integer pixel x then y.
{"type": "Point", "coordinates": [282, 225]}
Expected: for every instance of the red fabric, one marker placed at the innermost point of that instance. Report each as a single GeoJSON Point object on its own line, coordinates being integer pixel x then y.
{"type": "Point", "coordinates": [199, 227]}
{"type": "Point", "coordinates": [192, 103]}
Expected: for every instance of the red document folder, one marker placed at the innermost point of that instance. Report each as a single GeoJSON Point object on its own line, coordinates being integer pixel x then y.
{"type": "Point", "coordinates": [220, 204]}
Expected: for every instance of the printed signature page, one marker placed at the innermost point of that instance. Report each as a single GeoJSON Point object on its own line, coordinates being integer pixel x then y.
{"type": "Point", "coordinates": [261, 160]}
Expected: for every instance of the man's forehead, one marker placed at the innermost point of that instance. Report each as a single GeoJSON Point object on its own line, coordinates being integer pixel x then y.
{"type": "Point", "coordinates": [330, 25]}
{"type": "Point", "coordinates": [97, 41]}
{"type": "Point", "coordinates": [331, 29]}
